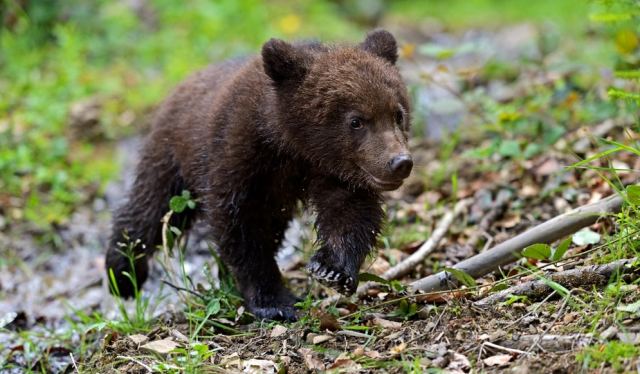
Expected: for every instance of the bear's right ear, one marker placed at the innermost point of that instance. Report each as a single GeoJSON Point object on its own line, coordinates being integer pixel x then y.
{"type": "Point", "coordinates": [283, 62]}
{"type": "Point", "coordinates": [381, 43]}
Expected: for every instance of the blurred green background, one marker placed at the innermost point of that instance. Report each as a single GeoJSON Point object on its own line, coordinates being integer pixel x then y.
{"type": "Point", "coordinates": [76, 76]}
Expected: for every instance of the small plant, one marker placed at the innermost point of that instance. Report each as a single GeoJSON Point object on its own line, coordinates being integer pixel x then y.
{"type": "Point", "coordinates": [140, 320]}
{"type": "Point", "coordinates": [613, 354]}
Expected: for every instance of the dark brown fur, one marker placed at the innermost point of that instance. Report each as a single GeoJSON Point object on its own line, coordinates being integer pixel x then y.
{"type": "Point", "coordinates": [250, 138]}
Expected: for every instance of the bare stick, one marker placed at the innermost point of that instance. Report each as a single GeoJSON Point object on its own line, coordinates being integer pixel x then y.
{"type": "Point", "coordinates": [506, 349]}
{"type": "Point", "coordinates": [509, 251]}
{"type": "Point", "coordinates": [593, 275]}
{"type": "Point", "coordinates": [548, 343]}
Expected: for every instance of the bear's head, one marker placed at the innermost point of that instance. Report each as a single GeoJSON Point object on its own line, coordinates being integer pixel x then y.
{"type": "Point", "coordinates": [345, 109]}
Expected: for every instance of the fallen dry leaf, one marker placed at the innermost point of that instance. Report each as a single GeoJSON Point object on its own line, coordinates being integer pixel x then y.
{"type": "Point", "coordinates": [497, 360]}
{"type": "Point", "coordinates": [319, 339]}
{"type": "Point", "coordinates": [179, 336]}
{"type": "Point", "coordinates": [386, 323]}
{"type": "Point", "coordinates": [345, 363]}
{"type": "Point", "coordinates": [327, 321]}
{"type": "Point", "coordinates": [398, 349]}
{"type": "Point", "coordinates": [548, 167]}
{"type": "Point", "coordinates": [162, 347]}
{"type": "Point", "coordinates": [138, 339]}
{"type": "Point", "coordinates": [232, 360]}
{"type": "Point", "coordinates": [459, 363]}
{"type": "Point", "coordinates": [259, 366]}
{"type": "Point", "coordinates": [310, 360]}
{"type": "Point", "coordinates": [361, 351]}
{"type": "Point", "coordinates": [278, 331]}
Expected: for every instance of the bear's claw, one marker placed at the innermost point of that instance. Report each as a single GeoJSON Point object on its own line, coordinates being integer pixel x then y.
{"type": "Point", "coordinates": [336, 279]}
{"type": "Point", "coordinates": [279, 313]}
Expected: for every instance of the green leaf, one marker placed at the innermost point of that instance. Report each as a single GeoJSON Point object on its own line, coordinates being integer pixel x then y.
{"type": "Point", "coordinates": [178, 204]}
{"type": "Point", "coordinates": [538, 251]}
{"type": "Point", "coordinates": [633, 194]}
{"type": "Point", "coordinates": [368, 277]}
{"type": "Point", "coordinates": [405, 309]}
{"type": "Point", "coordinates": [462, 276]}
{"type": "Point", "coordinates": [509, 148]}
{"type": "Point", "coordinates": [630, 308]}
{"type": "Point", "coordinates": [562, 290]}
{"type": "Point", "coordinates": [585, 236]}
{"type": "Point", "coordinates": [531, 150]}
{"type": "Point", "coordinates": [213, 307]}
{"type": "Point", "coordinates": [561, 250]}
{"type": "Point", "coordinates": [499, 287]}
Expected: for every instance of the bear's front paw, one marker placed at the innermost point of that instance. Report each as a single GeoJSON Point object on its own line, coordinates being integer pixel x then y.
{"type": "Point", "coordinates": [273, 303]}
{"type": "Point", "coordinates": [339, 280]}
{"type": "Point", "coordinates": [276, 313]}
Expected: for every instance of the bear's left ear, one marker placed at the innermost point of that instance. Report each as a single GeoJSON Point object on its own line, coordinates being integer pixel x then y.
{"type": "Point", "coordinates": [283, 62]}
{"type": "Point", "coordinates": [381, 43]}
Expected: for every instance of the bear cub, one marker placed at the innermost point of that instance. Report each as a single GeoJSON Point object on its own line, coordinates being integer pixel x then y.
{"type": "Point", "coordinates": [249, 138]}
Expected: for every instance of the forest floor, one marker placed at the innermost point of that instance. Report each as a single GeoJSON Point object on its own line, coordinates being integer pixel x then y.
{"type": "Point", "coordinates": [505, 116]}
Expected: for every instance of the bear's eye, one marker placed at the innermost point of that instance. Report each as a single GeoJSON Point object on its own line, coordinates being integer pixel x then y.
{"type": "Point", "coordinates": [399, 117]}
{"type": "Point", "coordinates": [356, 123]}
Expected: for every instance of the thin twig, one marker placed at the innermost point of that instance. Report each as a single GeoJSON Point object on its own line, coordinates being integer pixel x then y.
{"type": "Point", "coordinates": [178, 288]}
{"type": "Point", "coordinates": [73, 362]}
{"type": "Point", "coordinates": [555, 320]}
{"type": "Point", "coordinates": [510, 350]}
{"type": "Point", "coordinates": [137, 362]}
{"type": "Point", "coordinates": [354, 334]}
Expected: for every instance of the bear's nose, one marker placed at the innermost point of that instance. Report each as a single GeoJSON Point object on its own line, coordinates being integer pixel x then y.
{"type": "Point", "coordinates": [401, 166]}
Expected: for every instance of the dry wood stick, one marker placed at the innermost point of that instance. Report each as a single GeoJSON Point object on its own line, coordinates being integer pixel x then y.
{"type": "Point", "coordinates": [549, 343]}
{"type": "Point", "coordinates": [509, 251]}
{"type": "Point", "coordinates": [582, 276]}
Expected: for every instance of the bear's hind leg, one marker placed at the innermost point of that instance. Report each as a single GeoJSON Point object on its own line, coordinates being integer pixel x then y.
{"type": "Point", "coordinates": [137, 226]}
{"type": "Point", "coordinates": [248, 247]}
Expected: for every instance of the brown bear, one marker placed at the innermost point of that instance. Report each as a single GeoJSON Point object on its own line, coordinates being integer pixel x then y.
{"type": "Point", "coordinates": [249, 138]}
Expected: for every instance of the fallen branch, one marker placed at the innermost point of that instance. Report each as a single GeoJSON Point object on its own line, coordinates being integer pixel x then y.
{"type": "Point", "coordinates": [509, 251]}
{"type": "Point", "coordinates": [548, 343]}
{"type": "Point", "coordinates": [593, 275]}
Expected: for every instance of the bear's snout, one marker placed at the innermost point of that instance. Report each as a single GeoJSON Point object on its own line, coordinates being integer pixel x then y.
{"type": "Point", "coordinates": [400, 166]}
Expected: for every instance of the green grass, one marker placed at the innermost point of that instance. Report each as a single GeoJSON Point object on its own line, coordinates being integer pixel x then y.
{"type": "Point", "coordinates": [568, 15]}
{"type": "Point", "coordinates": [55, 54]}
{"type": "Point", "coordinates": [613, 354]}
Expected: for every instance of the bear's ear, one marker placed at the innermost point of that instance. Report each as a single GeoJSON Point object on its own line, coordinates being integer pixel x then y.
{"type": "Point", "coordinates": [381, 43]}
{"type": "Point", "coordinates": [283, 62]}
